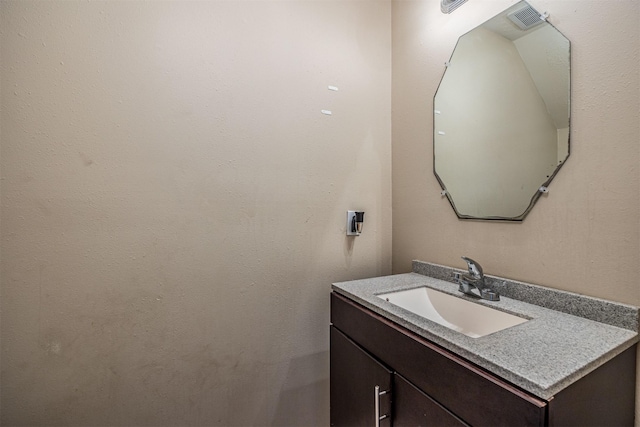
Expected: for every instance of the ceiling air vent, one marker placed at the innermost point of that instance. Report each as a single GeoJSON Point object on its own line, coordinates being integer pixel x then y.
{"type": "Point", "coordinates": [526, 18]}
{"type": "Point", "coordinates": [448, 6]}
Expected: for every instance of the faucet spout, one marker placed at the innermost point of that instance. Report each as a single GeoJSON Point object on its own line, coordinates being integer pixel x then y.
{"type": "Point", "coordinates": [474, 284]}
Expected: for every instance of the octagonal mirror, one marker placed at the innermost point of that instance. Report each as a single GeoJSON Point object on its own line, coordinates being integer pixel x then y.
{"type": "Point", "coordinates": [501, 115]}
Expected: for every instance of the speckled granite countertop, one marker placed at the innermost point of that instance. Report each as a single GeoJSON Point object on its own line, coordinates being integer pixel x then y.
{"type": "Point", "coordinates": [543, 356]}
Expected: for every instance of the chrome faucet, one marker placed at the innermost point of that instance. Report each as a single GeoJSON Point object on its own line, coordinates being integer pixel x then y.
{"type": "Point", "coordinates": [473, 284]}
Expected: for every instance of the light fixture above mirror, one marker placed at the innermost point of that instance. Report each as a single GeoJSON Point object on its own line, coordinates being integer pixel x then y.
{"type": "Point", "coordinates": [501, 115]}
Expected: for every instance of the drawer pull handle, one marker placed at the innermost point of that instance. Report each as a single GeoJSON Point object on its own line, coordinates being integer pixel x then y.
{"type": "Point", "coordinates": [377, 394]}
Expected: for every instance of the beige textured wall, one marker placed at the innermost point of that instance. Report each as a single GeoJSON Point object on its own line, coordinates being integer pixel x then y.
{"type": "Point", "coordinates": [173, 204]}
{"type": "Point", "coordinates": [584, 236]}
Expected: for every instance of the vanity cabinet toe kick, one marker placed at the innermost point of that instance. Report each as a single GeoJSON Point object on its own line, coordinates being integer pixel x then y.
{"type": "Point", "coordinates": [426, 385]}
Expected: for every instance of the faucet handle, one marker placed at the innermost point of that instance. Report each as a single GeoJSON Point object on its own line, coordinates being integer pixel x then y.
{"type": "Point", "coordinates": [475, 269]}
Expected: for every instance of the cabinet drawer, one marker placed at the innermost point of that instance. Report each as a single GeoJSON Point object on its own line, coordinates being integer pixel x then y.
{"type": "Point", "coordinates": [474, 395]}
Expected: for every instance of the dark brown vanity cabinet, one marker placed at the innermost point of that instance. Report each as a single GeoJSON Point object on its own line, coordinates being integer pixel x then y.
{"type": "Point", "coordinates": [361, 392]}
{"type": "Point", "coordinates": [422, 384]}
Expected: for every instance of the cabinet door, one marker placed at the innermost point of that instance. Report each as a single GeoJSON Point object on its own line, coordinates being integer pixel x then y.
{"type": "Point", "coordinates": [353, 380]}
{"type": "Point", "coordinates": [411, 407]}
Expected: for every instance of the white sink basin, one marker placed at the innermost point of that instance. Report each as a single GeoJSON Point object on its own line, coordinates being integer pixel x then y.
{"type": "Point", "coordinates": [473, 320]}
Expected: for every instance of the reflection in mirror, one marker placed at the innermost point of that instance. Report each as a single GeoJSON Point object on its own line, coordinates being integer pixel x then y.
{"type": "Point", "coordinates": [501, 115]}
